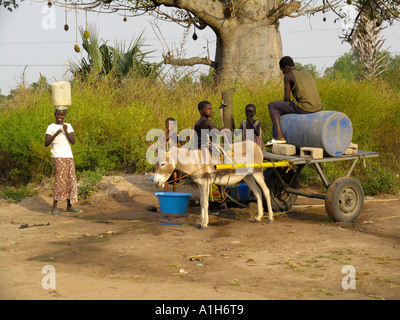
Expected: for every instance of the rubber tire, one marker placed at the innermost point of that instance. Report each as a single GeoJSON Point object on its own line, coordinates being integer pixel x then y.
{"type": "Point", "coordinates": [280, 200]}
{"type": "Point", "coordinates": [344, 200]}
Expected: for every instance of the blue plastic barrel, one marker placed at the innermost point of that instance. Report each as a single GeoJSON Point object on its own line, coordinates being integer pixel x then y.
{"type": "Point", "coordinates": [173, 202]}
{"type": "Point", "coordinates": [329, 130]}
{"type": "Point", "coordinates": [240, 191]}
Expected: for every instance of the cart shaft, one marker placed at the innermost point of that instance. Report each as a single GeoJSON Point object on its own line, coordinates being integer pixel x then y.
{"type": "Point", "coordinates": [279, 164]}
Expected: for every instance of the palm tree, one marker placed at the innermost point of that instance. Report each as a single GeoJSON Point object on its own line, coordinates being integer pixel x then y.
{"type": "Point", "coordinates": [119, 61]}
{"type": "Point", "coordinates": [367, 41]}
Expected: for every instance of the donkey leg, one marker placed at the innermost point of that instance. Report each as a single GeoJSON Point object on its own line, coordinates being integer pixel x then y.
{"type": "Point", "coordinates": [258, 194]}
{"type": "Point", "coordinates": [201, 206]}
{"type": "Point", "coordinates": [259, 177]}
{"type": "Point", "coordinates": [203, 222]}
{"type": "Point", "coordinates": [206, 205]}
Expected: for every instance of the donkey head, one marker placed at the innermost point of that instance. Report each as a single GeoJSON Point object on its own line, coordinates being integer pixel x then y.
{"type": "Point", "coordinates": [165, 166]}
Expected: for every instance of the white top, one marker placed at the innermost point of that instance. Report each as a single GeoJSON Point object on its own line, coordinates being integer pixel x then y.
{"type": "Point", "coordinates": [60, 147]}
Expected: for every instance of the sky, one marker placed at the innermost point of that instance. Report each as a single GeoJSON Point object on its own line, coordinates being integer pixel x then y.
{"type": "Point", "coordinates": [33, 41]}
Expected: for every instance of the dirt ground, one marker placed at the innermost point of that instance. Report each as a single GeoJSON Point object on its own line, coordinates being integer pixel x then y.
{"type": "Point", "coordinates": [119, 248]}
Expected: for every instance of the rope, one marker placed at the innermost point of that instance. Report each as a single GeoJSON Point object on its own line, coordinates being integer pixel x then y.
{"type": "Point", "coordinates": [223, 198]}
{"type": "Point", "coordinates": [189, 174]}
{"type": "Point", "coordinates": [223, 191]}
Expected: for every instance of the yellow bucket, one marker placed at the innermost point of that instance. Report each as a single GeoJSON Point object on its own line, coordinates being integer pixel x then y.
{"type": "Point", "coordinates": [61, 93]}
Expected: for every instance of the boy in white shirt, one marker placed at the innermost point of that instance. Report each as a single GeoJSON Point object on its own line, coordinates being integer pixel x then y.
{"type": "Point", "coordinates": [59, 135]}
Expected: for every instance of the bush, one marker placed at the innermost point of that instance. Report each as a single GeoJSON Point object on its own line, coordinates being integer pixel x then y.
{"type": "Point", "coordinates": [89, 181]}
{"type": "Point", "coordinates": [13, 194]}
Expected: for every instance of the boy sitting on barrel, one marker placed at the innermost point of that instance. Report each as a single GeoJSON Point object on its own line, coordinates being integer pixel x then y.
{"type": "Point", "coordinates": [304, 90]}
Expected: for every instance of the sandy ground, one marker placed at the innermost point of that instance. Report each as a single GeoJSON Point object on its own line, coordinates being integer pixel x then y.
{"type": "Point", "coordinates": [119, 248]}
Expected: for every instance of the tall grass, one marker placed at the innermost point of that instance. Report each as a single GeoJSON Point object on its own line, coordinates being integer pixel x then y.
{"type": "Point", "coordinates": [111, 120]}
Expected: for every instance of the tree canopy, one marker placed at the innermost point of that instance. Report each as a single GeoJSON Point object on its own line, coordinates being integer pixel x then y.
{"type": "Point", "coordinates": [9, 4]}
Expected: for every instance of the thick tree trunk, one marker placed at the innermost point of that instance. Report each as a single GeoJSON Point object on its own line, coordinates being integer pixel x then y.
{"type": "Point", "coordinates": [227, 120]}
{"type": "Point", "coordinates": [248, 51]}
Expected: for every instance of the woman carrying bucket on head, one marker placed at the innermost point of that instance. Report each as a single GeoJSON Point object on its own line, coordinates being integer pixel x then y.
{"type": "Point", "coordinates": [59, 136]}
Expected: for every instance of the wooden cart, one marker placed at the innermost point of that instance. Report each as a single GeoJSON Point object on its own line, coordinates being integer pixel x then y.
{"type": "Point", "coordinates": [344, 198]}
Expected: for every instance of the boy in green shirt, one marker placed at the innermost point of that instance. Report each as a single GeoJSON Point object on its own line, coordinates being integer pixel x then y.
{"type": "Point", "coordinates": [304, 90]}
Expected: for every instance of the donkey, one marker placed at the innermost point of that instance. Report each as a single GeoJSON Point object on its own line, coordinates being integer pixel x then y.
{"type": "Point", "coordinates": [200, 166]}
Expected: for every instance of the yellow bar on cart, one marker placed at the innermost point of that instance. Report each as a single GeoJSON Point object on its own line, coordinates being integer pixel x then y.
{"type": "Point", "coordinates": [253, 165]}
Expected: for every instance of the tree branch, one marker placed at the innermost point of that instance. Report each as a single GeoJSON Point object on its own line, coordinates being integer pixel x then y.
{"type": "Point", "coordinates": [283, 10]}
{"type": "Point", "coordinates": [209, 12]}
{"type": "Point", "coordinates": [310, 8]}
{"type": "Point", "coordinates": [168, 59]}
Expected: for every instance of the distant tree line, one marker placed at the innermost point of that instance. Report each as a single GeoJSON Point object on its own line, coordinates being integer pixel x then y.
{"type": "Point", "coordinates": [349, 67]}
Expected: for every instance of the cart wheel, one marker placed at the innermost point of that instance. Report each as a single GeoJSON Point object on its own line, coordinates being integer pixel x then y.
{"type": "Point", "coordinates": [280, 199]}
{"type": "Point", "coordinates": [344, 200]}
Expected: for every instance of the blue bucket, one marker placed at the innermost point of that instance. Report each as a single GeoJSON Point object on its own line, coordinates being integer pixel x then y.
{"type": "Point", "coordinates": [240, 191]}
{"type": "Point", "coordinates": [173, 202]}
